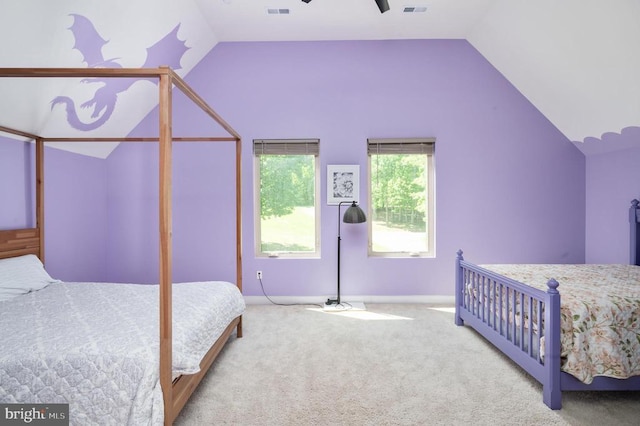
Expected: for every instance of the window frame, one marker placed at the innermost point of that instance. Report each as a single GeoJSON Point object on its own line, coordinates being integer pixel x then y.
{"type": "Point", "coordinates": [397, 146]}
{"type": "Point", "coordinates": [286, 147]}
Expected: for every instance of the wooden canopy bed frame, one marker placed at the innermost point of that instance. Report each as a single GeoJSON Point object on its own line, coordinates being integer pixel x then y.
{"type": "Point", "coordinates": [31, 241]}
{"type": "Point", "coordinates": [518, 337]}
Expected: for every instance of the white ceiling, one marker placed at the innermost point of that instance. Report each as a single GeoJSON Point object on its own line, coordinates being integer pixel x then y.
{"type": "Point", "coordinates": [575, 60]}
{"type": "Point", "coordinates": [247, 20]}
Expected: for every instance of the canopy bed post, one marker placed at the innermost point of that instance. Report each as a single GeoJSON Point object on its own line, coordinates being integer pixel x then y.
{"type": "Point", "coordinates": [40, 195]}
{"type": "Point", "coordinates": [239, 224]}
{"type": "Point", "coordinates": [165, 246]}
{"type": "Point", "coordinates": [634, 220]}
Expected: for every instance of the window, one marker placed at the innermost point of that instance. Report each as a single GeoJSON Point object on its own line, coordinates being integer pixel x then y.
{"type": "Point", "coordinates": [401, 191]}
{"type": "Point", "coordinates": [287, 187]}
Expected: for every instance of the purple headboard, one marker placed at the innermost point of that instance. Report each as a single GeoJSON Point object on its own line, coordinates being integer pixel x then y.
{"type": "Point", "coordinates": [634, 219]}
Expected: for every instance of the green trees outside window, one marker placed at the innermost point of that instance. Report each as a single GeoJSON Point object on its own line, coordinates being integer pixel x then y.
{"type": "Point", "coordinates": [287, 203]}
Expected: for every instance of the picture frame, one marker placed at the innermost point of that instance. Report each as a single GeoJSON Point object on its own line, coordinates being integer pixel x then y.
{"type": "Point", "coordinates": [343, 183]}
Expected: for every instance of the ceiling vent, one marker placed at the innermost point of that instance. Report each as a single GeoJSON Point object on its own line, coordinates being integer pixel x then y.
{"type": "Point", "coordinates": [415, 9]}
{"type": "Point", "coordinates": [273, 11]}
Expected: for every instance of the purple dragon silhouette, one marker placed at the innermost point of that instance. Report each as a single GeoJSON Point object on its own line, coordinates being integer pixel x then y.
{"type": "Point", "coordinates": [167, 51]}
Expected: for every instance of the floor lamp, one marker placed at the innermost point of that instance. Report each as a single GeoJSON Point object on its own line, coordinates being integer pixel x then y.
{"type": "Point", "coordinates": [354, 214]}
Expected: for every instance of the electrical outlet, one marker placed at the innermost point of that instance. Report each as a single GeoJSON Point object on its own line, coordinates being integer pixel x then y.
{"type": "Point", "coordinates": [259, 275]}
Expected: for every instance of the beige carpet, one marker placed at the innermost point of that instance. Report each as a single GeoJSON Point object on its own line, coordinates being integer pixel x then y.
{"type": "Point", "coordinates": [389, 365]}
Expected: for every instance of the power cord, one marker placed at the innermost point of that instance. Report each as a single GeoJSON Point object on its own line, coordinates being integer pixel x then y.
{"type": "Point", "coordinates": [285, 304]}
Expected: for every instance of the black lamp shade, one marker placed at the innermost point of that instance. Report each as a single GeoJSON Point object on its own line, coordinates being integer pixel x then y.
{"type": "Point", "coordinates": [354, 214]}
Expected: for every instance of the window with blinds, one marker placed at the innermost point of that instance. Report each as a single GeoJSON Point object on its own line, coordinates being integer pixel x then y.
{"type": "Point", "coordinates": [401, 197]}
{"type": "Point", "coordinates": [286, 197]}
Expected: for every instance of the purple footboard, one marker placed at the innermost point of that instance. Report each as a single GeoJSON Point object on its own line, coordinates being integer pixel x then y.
{"type": "Point", "coordinates": [517, 319]}
{"type": "Point", "coordinates": [524, 323]}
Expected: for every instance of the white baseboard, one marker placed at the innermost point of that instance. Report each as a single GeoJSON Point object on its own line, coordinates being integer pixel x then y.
{"type": "Point", "coordinates": [317, 300]}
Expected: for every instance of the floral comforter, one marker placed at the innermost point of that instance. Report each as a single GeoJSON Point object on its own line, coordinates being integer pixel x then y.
{"type": "Point", "coordinates": [600, 315]}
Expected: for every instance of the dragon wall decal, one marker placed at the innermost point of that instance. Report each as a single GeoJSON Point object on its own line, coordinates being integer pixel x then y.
{"type": "Point", "coordinates": [166, 51]}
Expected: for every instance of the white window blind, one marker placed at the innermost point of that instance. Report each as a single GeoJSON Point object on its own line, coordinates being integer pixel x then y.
{"type": "Point", "coordinates": [401, 146]}
{"type": "Point", "coordinates": [286, 146]}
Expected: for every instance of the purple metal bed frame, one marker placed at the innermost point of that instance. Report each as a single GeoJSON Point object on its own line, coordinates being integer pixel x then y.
{"type": "Point", "coordinates": [519, 339]}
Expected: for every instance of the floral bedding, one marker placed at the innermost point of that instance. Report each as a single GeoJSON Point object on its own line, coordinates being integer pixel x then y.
{"type": "Point", "coordinates": [95, 346]}
{"type": "Point", "coordinates": [600, 315]}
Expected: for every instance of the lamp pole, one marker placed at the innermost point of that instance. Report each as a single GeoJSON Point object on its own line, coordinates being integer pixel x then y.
{"type": "Point", "coordinates": [354, 214]}
{"type": "Point", "coordinates": [339, 239]}
{"type": "Point", "coordinates": [359, 218]}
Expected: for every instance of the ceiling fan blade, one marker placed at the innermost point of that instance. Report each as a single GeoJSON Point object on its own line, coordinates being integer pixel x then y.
{"type": "Point", "coordinates": [383, 5]}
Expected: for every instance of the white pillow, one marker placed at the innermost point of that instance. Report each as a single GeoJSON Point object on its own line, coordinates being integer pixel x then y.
{"type": "Point", "coordinates": [20, 275]}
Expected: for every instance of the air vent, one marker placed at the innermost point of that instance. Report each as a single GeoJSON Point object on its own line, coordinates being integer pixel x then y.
{"type": "Point", "coordinates": [415, 9]}
{"type": "Point", "coordinates": [273, 11]}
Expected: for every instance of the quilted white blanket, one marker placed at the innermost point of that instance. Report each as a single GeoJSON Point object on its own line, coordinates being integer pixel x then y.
{"type": "Point", "coordinates": [95, 346]}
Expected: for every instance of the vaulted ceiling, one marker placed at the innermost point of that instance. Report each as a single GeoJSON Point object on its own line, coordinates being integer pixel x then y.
{"type": "Point", "coordinates": [575, 60]}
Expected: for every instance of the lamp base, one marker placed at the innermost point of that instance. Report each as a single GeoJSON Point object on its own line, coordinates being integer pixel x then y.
{"type": "Point", "coordinates": [333, 306]}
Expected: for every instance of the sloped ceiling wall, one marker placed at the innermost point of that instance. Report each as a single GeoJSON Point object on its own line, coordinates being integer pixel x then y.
{"type": "Point", "coordinates": [78, 33]}
{"type": "Point", "coordinates": [577, 61]}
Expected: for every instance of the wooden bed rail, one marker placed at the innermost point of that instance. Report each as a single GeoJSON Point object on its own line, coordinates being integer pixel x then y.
{"type": "Point", "coordinates": [184, 386]}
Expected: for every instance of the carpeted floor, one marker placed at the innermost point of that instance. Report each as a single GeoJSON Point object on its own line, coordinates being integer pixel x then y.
{"type": "Point", "coordinates": [390, 365]}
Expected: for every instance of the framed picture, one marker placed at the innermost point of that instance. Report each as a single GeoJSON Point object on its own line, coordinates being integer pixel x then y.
{"type": "Point", "coordinates": [343, 183]}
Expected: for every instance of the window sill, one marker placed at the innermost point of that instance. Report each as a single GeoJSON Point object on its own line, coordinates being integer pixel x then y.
{"type": "Point", "coordinates": [288, 255]}
{"type": "Point", "coordinates": [403, 255]}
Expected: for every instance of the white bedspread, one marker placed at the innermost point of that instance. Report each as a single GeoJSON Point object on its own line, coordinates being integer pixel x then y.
{"type": "Point", "coordinates": [95, 346]}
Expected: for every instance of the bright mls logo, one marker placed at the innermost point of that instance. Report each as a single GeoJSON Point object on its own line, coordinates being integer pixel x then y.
{"type": "Point", "coordinates": [166, 51]}
{"type": "Point", "coordinates": [34, 414]}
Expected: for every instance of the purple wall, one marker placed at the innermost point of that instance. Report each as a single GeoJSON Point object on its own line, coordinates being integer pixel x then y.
{"type": "Point", "coordinates": [612, 181]}
{"type": "Point", "coordinates": [16, 167]}
{"type": "Point", "coordinates": [75, 216]}
{"type": "Point", "coordinates": [203, 223]}
{"type": "Point", "coordinates": [75, 207]}
{"type": "Point", "coordinates": [509, 186]}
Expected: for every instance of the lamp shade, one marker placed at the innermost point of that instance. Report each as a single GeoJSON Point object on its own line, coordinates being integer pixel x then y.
{"type": "Point", "coordinates": [354, 214]}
